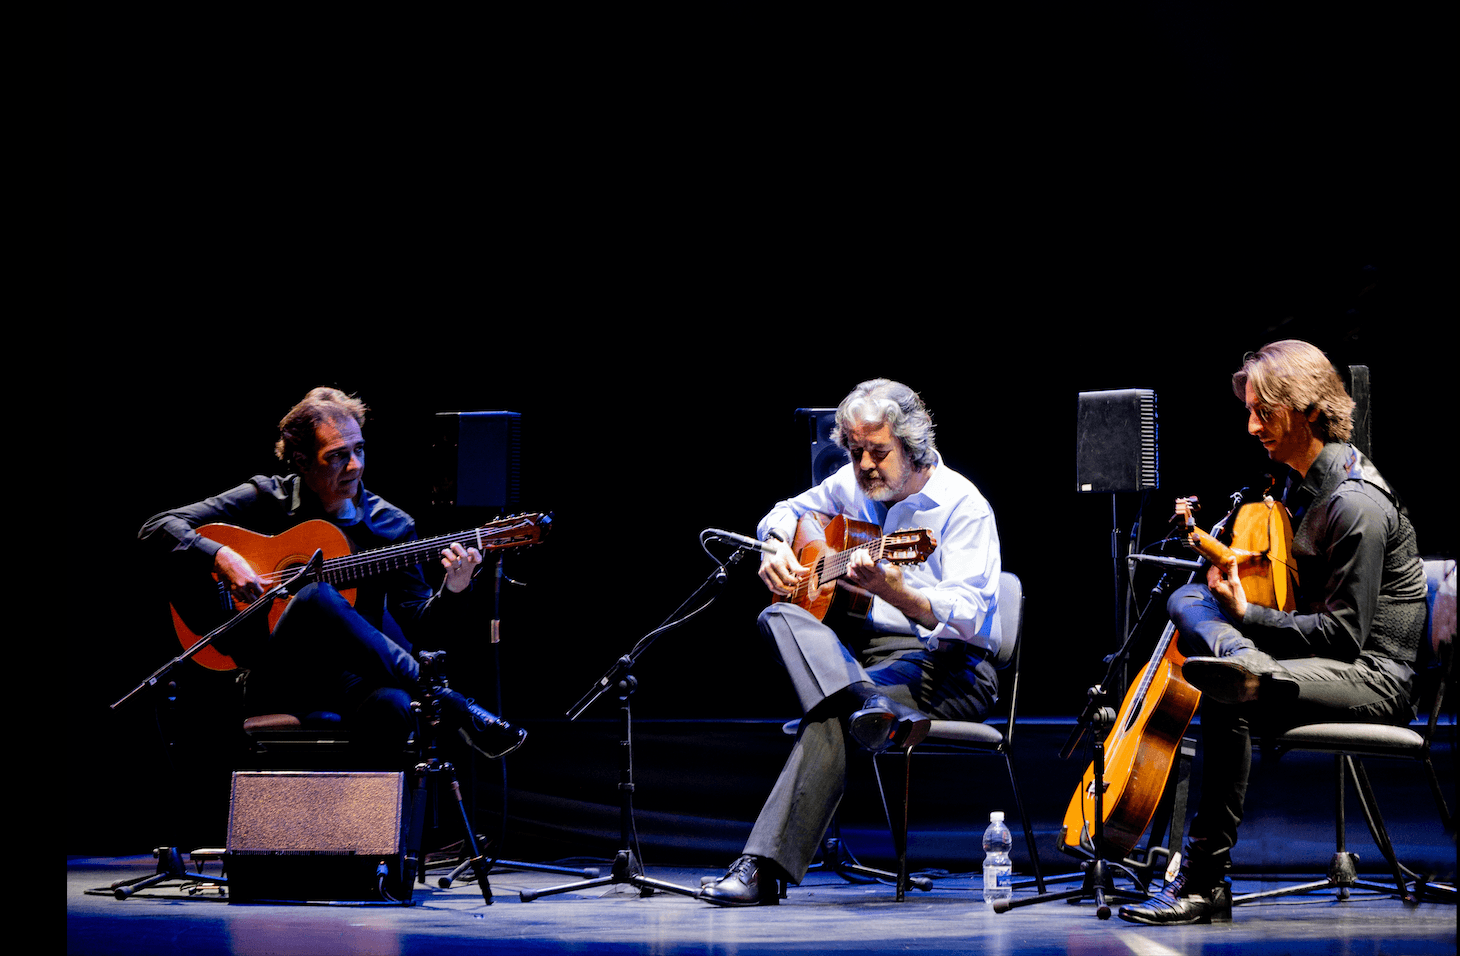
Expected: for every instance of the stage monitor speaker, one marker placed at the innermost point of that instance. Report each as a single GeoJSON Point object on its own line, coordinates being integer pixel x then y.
{"type": "Point", "coordinates": [478, 460]}
{"type": "Point", "coordinates": [1116, 441]}
{"type": "Point", "coordinates": [826, 455]}
{"type": "Point", "coordinates": [311, 836]}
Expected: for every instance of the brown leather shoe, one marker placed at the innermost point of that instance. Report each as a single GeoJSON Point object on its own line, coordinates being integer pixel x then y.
{"type": "Point", "coordinates": [746, 883]}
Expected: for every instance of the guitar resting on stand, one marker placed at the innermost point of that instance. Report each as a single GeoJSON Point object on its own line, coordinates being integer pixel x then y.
{"type": "Point", "coordinates": [1120, 794]}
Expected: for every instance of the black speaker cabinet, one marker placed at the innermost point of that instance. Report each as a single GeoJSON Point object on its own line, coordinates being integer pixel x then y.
{"type": "Point", "coordinates": [298, 836]}
{"type": "Point", "coordinates": [826, 456]}
{"type": "Point", "coordinates": [1116, 441]}
{"type": "Point", "coordinates": [478, 460]}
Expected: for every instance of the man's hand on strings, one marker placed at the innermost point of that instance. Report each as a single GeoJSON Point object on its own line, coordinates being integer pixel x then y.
{"type": "Point", "coordinates": [1226, 587]}
{"type": "Point", "coordinates": [882, 578]}
{"type": "Point", "coordinates": [238, 575]}
{"type": "Point", "coordinates": [885, 579]}
{"type": "Point", "coordinates": [460, 564]}
{"type": "Point", "coordinates": [780, 570]}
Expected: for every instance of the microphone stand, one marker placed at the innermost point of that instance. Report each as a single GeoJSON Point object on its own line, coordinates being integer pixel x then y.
{"type": "Point", "coordinates": [1099, 873]}
{"type": "Point", "coordinates": [282, 589]}
{"type": "Point", "coordinates": [169, 858]}
{"type": "Point", "coordinates": [627, 866]}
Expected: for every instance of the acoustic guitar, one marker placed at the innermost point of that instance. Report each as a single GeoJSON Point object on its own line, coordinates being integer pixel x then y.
{"type": "Point", "coordinates": [825, 545]}
{"type": "Point", "coordinates": [274, 556]}
{"type": "Point", "coordinates": [1141, 747]}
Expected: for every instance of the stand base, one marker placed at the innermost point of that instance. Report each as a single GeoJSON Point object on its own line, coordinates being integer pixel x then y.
{"type": "Point", "coordinates": [836, 858]}
{"type": "Point", "coordinates": [627, 871]}
{"type": "Point", "coordinates": [1343, 877]}
{"type": "Point", "coordinates": [169, 867]}
{"type": "Point", "coordinates": [1097, 887]}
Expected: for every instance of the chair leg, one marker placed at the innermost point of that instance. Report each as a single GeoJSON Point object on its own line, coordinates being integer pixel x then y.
{"type": "Point", "coordinates": [1024, 818]}
{"type": "Point", "coordinates": [1343, 867]}
{"type": "Point", "coordinates": [1370, 806]}
{"type": "Point", "coordinates": [902, 826]}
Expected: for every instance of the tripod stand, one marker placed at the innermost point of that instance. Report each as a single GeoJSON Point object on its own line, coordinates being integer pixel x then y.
{"type": "Point", "coordinates": [432, 768]}
{"type": "Point", "coordinates": [469, 851]}
{"type": "Point", "coordinates": [1156, 710]}
{"type": "Point", "coordinates": [1098, 884]}
{"type": "Point", "coordinates": [628, 867]}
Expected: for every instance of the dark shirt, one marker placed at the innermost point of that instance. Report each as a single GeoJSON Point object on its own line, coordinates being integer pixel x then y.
{"type": "Point", "coordinates": [1361, 585]}
{"type": "Point", "coordinates": [399, 603]}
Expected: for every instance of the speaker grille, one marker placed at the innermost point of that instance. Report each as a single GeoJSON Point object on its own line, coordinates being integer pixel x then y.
{"type": "Point", "coordinates": [1117, 441]}
{"type": "Point", "coordinates": [347, 813]}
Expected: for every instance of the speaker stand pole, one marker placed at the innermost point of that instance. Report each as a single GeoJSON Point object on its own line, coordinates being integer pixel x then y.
{"type": "Point", "coordinates": [469, 862]}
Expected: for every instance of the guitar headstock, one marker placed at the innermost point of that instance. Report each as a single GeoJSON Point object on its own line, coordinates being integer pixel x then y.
{"type": "Point", "coordinates": [909, 546]}
{"type": "Point", "coordinates": [515, 531]}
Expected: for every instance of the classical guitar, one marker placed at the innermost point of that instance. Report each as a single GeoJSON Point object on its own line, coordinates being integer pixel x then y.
{"type": "Point", "coordinates": [1142, 744]}
{"type": "Point", "coordinates": [273, 557]}
{"type": "Point", "coordinates": [825, 545]}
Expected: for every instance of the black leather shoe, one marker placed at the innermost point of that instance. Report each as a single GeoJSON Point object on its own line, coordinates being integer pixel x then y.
{"type": "Point", "coordinates": [883, 723]}
{"type": "Point", "coordinates": [1235, 679]}
{"type": "Point", "coordinates": [1175, 906]}
{"type": "Point", "coordinates": [482, 730]}
{"type": "Point", "coordinates": [746, 883]}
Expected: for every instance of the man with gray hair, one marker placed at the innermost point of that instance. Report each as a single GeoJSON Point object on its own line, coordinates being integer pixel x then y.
{"type": "Point", "coordinates": [921, 650]}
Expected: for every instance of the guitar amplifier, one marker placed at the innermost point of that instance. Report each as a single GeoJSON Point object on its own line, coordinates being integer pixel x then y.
{"type": "Point", "coordinates": [297, 836]}
{"type": "Point", "coordinates": [1116, 447]}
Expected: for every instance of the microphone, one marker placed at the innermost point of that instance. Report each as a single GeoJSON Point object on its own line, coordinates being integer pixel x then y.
{"type": "Point", "coordinates": [748, 543]}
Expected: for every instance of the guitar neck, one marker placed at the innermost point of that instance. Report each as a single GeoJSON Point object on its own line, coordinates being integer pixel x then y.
{"type": "Point", "coordinates": [835, 565]}
{"type": "Point", "coordinates": [350, 569]}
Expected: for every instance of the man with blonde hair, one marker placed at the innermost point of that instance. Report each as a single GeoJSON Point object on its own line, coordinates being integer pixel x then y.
{"type": "Point", "coordinates": [1345, 653]}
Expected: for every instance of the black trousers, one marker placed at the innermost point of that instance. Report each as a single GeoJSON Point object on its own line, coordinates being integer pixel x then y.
{"type": "Point", "coordinates": [952, 683]}
{"type": "Point", "coordinates": [1319, 690]}
{"type": "Point", "coordinates": [323, 657]}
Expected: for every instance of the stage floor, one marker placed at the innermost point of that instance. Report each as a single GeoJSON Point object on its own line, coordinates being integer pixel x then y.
{"type": "Point", "coordinates": [823, 915]}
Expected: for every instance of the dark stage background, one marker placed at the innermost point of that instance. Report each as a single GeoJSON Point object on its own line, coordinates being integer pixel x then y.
{"type": "Point", "coordinates": [657, 249]}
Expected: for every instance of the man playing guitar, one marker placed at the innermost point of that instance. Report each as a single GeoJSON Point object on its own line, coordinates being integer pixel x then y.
{"type": "Point", "coordinates": [1345, 652]}
{"type": "Point", "coordinates": [327, 653]}
{"type": "Point", "coordinates": [919, 649]}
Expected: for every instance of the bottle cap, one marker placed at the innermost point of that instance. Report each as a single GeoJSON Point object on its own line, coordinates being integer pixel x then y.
{"type": "Point", "coordinates": [996, 817]}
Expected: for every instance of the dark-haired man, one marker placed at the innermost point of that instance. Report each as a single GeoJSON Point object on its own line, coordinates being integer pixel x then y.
{"type": "Point", "coordinates": [325, 655]}
{"type": "Point", "coordinates": [1347, 651]}
{"type": "Point", "coordinates": [923, 649]}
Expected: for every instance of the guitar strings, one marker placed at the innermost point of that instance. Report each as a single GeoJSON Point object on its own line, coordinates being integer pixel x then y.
{"type": "Point", "coordinates": [350, 566]}
{"type": "Point", "coordinates": [837, 563]}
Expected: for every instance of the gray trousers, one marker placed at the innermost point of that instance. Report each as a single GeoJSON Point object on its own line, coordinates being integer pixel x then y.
{"type": "Point", "coordinates": [952, 683]}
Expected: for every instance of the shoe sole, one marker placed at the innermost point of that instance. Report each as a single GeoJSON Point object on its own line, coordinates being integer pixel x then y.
{"type": "Point", "coordinates": [1222, 680]}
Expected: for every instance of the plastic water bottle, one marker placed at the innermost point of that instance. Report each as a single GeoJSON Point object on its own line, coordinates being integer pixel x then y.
{"type": "Point", "coordinates": [998, 872]}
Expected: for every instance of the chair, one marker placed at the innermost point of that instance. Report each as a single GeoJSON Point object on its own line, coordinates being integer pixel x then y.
{"type": "Point", "coordinates": [971, 736]}
{"type": "Point", "coordinates": [1351, 743]}
{"type": "Point", "coordinates": [315, 741]}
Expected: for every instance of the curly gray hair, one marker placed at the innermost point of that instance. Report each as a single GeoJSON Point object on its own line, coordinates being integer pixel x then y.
{"type": "Point", "coordinates": [882, 400]}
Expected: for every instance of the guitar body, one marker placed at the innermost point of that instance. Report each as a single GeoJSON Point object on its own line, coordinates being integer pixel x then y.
{"type": "Point", "coordinates": [824, 545]}
{"type": "Point", "coordinates": [818, 537]}
{"type": "Point", "coordinates": [274, 557]}
{"type": "Point", "coordinates": [266, 554]}
{"type": "Point", "coordinates": [1141, 748]}
{"type": "Point", "coordinates": [1139, 754]}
